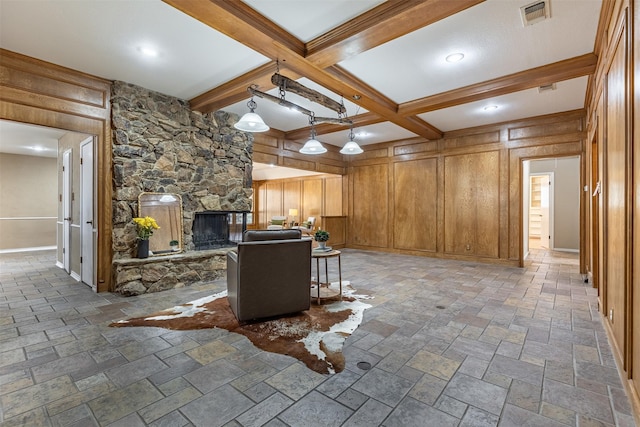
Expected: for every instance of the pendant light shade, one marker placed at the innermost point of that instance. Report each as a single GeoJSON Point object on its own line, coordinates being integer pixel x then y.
{"type": "Point", "coordinates": [351, 147]}
{"type": "Point", "coordinates": [251, 122]}
{"type": "Point", "coordinates": [313, 146]}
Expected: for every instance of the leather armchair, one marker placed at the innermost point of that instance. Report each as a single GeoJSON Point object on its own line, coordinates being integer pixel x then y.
{"type": "Point", "coordinates": [269, 275]}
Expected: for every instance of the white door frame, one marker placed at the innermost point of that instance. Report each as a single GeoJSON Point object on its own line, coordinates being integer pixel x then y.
{"type": "Point", "coordinates": [87, 223]}
{"type": "Point", "coordinates": [66, 210]}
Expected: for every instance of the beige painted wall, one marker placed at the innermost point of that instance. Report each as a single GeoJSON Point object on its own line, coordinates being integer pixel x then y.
{"type": "Point", "coordinates": [566, 199]}
{"type": "Point", "coordinates": [28, 190]}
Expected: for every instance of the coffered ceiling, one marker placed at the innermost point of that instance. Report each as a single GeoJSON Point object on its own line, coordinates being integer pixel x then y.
{"type": "Point", "coordinates": [384, 59]}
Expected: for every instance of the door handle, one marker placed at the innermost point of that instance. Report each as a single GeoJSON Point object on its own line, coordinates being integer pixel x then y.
{"type": "Point", "coordinates": [89, 222]}
{"type": "Point", "coordinates": [68, 218]}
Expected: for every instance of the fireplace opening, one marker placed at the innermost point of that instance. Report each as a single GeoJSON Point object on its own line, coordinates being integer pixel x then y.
{"type": "Point", "coordinates": [218, 229]}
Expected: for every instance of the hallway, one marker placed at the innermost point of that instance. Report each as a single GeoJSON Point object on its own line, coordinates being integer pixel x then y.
{"type": "Point", "coordinates": [450, 344]}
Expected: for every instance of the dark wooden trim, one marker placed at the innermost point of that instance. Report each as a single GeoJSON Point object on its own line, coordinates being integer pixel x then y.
{"type": "Point", "coordinates": [388, 21]}
{"type": "Point", "coordinates": [562, 70]}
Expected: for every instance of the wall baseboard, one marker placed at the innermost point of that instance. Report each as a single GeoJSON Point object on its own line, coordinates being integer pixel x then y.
{"type": "Point", "coordinates": [40, 248]}
{"type": "Point", "coordinates": [577, 251]}
{"type": "Point", "coordinates": [75, 276]}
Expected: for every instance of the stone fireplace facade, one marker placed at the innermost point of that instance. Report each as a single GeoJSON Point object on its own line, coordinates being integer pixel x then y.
{"type": "Point", "coordinates": [159, 145]}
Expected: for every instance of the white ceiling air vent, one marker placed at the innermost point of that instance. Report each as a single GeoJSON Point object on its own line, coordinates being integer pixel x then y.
{"type": "Point", "coordinates": [535, 12]}
{"type": "Point", "coordinates": [546, 88]}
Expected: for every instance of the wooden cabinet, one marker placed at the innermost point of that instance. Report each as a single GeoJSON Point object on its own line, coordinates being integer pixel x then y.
{"type": "Point", "coordinates": [472, 209]}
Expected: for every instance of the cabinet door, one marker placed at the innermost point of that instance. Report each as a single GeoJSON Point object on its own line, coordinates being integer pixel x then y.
{"type": "Point", "coordinates": [415, 205]}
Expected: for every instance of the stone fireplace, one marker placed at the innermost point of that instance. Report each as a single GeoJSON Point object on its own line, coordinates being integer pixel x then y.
{"type": "Point", "coordinates": [218, 229]}
{"type": "Point", "coordinates": [159, 145]}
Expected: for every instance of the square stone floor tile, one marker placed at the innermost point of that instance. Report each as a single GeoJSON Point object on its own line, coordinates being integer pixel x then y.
{"type": "Point", "coordinates": [383, 386]}
{"type": "Point", "coordinates": [316, 410]}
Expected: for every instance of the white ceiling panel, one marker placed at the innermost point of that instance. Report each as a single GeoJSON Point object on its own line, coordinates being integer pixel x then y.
{"type": "Point", "coordinates": [29, 140]}
{"type": "Point", "coordinates": [569, 95]}
{"type": "Point", "coordinates": [367, 135]}
{"type": "Point", "coordinates": [308, 19]}
{"type": "Point", "coordinates": [492, 38]}
{"type": "Point", "coordinates": [106, 39]}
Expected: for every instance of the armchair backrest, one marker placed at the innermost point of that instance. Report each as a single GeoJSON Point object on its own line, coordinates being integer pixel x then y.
{"type": "Point", "coordinates": [270, 274]}
{"type": "Point", "coordinates": [262, 235]}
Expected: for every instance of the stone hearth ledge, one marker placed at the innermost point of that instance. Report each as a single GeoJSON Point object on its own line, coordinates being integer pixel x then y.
{"type": "Point", "coordinates": [136, 276]}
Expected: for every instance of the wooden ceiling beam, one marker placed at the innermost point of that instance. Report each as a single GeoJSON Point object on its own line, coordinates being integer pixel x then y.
{"type": "Point", "coordinates": [236, 90]}
{"type": "Point", "coordinates": [325, 128]}
{"type": "Point", "coordinates": [246, 26]}
{"type": "Point", "coordinates": [383, 23]}
{"type": "Point", "coordinates": [345, 84]}
{"type": "Point", "coordinates": [547, 74]}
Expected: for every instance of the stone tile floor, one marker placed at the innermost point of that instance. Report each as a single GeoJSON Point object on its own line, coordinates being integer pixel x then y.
{"type": "Point", "coordinates": [450, 344]}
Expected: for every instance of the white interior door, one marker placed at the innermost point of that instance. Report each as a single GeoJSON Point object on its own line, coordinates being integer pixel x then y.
{"type": "Point", "coordinates": [87, 228]}
{"type": "Point", "coordinates": [66, 210]}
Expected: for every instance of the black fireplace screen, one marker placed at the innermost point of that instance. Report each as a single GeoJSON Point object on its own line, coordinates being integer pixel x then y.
{"type": "Point", "coordinates": [218, 229]}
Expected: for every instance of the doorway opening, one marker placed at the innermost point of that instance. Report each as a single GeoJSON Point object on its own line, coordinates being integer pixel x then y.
{"type": "Point", "coordinates": [540, 210]}
{"type": "Point", "coordinates": [551, 191]}
{"type": "Point", "coordinates": [48, 186]}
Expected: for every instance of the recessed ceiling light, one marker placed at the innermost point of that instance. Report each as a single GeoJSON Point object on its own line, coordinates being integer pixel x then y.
{"type": "Point", "coordinates": [455, 57]}
{"type": "Point", "coordinates": [490, 108]}
{"type": "Point", "coordinates": [148, 51]}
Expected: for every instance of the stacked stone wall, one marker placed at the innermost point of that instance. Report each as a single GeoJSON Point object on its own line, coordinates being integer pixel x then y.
{"type": "Point", "coordinates": [161, 146]}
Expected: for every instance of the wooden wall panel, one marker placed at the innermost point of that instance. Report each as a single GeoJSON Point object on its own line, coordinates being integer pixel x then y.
{"type": "Point", "coordinates": [333, 196]}
{"type": "Point", "coordinates": [292, 199]}
{"type": "Point", "coordinates": [271, 147]}
{"type": "Point", "coordinates": [459, 205]}
{"type": "Point", "coordinates": [312, 199]}
{"type": "Point", "coordinates": [273, 200]}
{"type": "Point", "coordinates": [369, 220]}
{"type": "Point", "coordinates": [415, 204]}
{"type": "Point", "coordinates": [487, 187]}
{"type": "Point", "coordinates": [635, 282]}
{"type": "Point", "coordinates": [615, 192]}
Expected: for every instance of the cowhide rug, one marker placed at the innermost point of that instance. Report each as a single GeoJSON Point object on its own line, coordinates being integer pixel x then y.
{"type": "Point", "coordinates": [315, 336]}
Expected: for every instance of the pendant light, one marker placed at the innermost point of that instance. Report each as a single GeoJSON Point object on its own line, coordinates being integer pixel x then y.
{"type": "Point", "coordinates": [313, 146]}
{"type": "Point", "coordinates": [351, 147]}
{"type": "Point", "coordinates": [251, 122]}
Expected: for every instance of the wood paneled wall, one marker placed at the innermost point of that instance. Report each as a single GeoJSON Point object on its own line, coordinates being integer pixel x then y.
{"type": "Point", "coordinates": [45, 94]}
{"type": "Point", "coordinates": [315, 196]}
{"type": "Point", "coordinates": [613, 108]}
{"type": "Point", "coordinates": [271, 148]}
{"type": "Point", "coordinates": [458, 197]}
